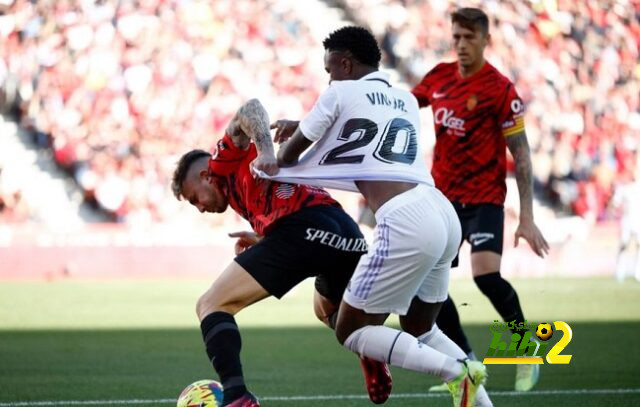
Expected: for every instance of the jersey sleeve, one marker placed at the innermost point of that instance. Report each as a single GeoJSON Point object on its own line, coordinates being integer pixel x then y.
{"type": "Point", "coordinates": [322, 116]}
{"type": "Point", "coordinates": [422, 91]}
{"type": "Point", "coordinates": [226, 157]}
{"type": "Point", "coordinates": [511, 113]}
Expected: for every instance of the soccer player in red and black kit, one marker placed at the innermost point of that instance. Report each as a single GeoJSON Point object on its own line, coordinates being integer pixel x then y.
{"type": "Point", "coordinates": [293, 224]}
{"type": "Point", "coordinates": [477, 115]}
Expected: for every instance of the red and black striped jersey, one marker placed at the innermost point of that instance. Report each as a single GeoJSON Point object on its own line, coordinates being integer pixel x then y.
{"type": "Point", "coordinates": [259, 201]}
{"type": "Point", "coordinates": [472, 117]}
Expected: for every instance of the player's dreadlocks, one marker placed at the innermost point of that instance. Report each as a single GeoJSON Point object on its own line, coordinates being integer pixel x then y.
{"type": "Point", "coordinates": [183, 168]}
{"type": "Point", "coordinates": [357, 40]}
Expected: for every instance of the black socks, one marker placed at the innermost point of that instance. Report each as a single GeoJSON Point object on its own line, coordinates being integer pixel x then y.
{"type": "Point", "coordinates": [222, 339]}
{"type": "Point", "coordinates": [449, 322]}
{"type": "Point", "coordinates": [502, 296]}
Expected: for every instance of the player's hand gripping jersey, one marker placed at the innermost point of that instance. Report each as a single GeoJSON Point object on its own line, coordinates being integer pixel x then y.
{"type": "Point", "coordinates": [365, 130]}
{"type": "Point", "coordinates": [472, 117]}
{"type": "Point", "coordinates": [261, 202]}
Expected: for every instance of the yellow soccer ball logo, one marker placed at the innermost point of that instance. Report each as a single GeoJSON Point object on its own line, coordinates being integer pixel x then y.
{"type": "Point", "coordinates": [544, 331]}
{"type": "Point", "coordinates": [203, 393]}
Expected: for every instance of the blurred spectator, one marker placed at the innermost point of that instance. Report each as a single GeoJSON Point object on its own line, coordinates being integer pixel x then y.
{"type": "Point", "coordinates": [119, 89]}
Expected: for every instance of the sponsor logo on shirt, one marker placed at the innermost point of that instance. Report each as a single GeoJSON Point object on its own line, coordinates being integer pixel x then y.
{"type": "Point", "coordinates": [347, 244]}
{"type": "Point", "coordinates": [446, 118]}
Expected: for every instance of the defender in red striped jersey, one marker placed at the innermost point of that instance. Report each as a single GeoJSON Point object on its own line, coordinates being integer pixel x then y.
{"type": "Point", "coordinates": [478, 114]}
{"type": "Point", "coordinates": [298, 223]}
{"type": "Point", "coordinates": [473, 116]}
{"type": "Point", "coordinates": [258, 201]}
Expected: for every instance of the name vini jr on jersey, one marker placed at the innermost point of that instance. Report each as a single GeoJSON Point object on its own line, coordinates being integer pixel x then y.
{"type": "Point", "coordinates": [379, 98]}
{"type": "Point", "coordinates": [336, 241]}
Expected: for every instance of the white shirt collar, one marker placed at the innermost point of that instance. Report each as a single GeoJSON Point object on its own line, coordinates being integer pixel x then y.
{"type": "Point", "coordinates": [377, 76]}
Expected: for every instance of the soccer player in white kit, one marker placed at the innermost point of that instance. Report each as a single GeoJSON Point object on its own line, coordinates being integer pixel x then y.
{"type": "Point", "coordinates": [626, 198]}
{"type": "Point", "coordinates": [366, 137]}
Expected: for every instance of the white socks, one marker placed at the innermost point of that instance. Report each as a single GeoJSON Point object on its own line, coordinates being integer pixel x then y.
{"type": "Point", "coordinates": [401, 349]}
{"type": "Point", "coordinates": [441, 342]}
{"type": "Point", "coordinates": [438, 340]}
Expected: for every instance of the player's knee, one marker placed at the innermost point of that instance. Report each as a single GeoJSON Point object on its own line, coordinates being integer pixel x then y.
{"type": "Point", "coordinates": [324, 309]}
{"type": "Point", "coordinates": [417, 323]}
{"type": "Point", "coordinates": [344, 330]}
{"type": "Point", "coordinates": [322, 316]}
{"type": "Point", "coordinates": [209, 302]}
{"type": "Point", "coordinates": [326, 313]}
{"type": "Point", "coordinates": [420, 317]}
{"type": "Point", "coordinates": [203, 307]}
{"type": "Point", "coordinates": [319, 311]}
{"type": "Point", "coordinates": [416, 328]}
{"type": "Point", "coordinates": [342, 334]}
{"type": "Point", "coordinates": [407, 326]}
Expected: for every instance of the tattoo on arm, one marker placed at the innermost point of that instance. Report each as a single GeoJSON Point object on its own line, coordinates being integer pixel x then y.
{"type": "Point", "coordinates": [239, 138]}
{"type": "Point", "coordinates": [253, 121]}
{"type": "Point", "coordinates": [519, 148]}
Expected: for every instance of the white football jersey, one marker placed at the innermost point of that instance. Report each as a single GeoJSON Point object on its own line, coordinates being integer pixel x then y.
{"type": "Point", "coordinates": [364, 130]}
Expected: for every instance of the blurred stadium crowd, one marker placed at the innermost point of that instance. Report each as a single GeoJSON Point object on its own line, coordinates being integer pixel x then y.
{"type": "Point", "coordinates": [118, 89]}
{"type": "Point", "coordinates": [576, 65]}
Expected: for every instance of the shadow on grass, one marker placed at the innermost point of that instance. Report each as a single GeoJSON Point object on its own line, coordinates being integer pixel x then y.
{"type": "Point", "coordinates": [157, 364]}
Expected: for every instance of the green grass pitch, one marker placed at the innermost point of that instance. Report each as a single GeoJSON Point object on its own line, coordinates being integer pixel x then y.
{"type": "Point", "coordinates": [137, 343]}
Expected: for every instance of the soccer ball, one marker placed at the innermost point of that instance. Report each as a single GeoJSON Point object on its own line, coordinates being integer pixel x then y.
{"type": "Point", "coordinates": [203, 393]}
{"type": "Point", "coordinates": [544, 331]}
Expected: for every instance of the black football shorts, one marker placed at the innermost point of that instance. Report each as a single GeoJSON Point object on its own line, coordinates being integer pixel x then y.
{"type": "Point", "coordinates": [482, 226]}
{"type": "Point", "coordinates": [321, 241]}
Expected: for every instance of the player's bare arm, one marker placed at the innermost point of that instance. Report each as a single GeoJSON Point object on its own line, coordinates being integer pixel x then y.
{"type": "Point", "coordinates": [519, 148]}
{"type": "Point", "coordinates": [251, 123]}
{"type": "Point", "coordinates": [527, 229]}
{"type": "Point", "coordinates": [291, 150]}
{"type": "Point", "coordinates": [235, 132]}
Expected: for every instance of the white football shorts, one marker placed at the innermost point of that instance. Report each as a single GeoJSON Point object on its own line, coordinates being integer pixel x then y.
{"type": "Point", "coordinates": [416, 237]}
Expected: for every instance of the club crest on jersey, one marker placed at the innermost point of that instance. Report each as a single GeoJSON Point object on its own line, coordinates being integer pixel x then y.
{"type": "Point", "coordinates": [472, 102]}
{"type": "Point", "coordinates": [285, 191]}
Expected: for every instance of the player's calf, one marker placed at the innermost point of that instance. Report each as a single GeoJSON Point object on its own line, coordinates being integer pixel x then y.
{"type": "Point", "coordinates": [223, 343]}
